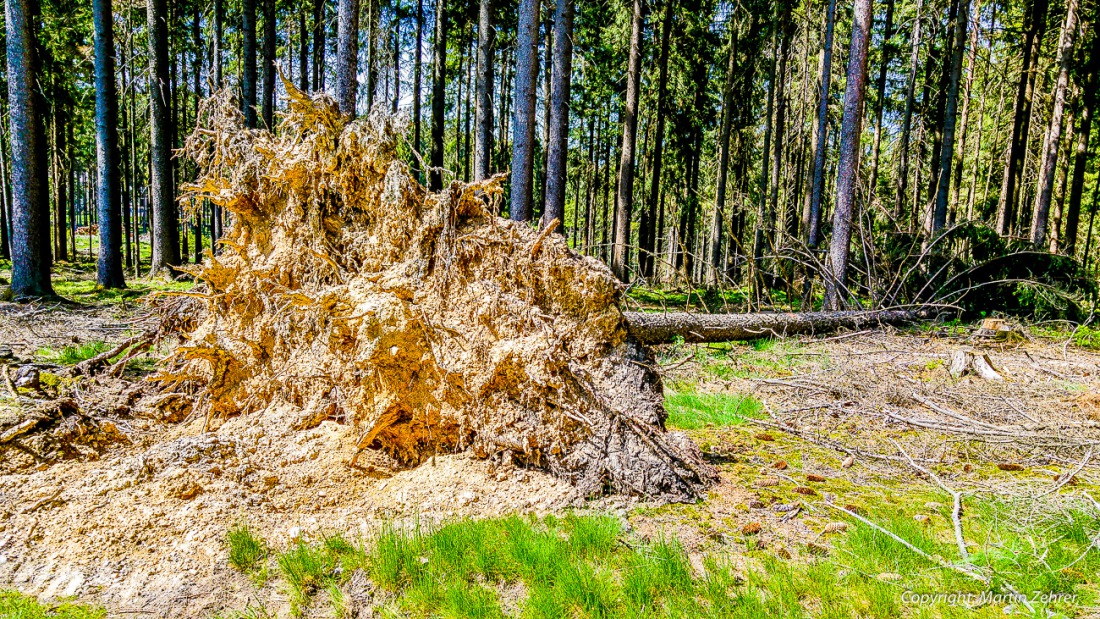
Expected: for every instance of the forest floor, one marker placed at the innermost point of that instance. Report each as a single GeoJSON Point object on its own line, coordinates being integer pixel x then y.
{"type": "Point", "coordinates": [839, 457]}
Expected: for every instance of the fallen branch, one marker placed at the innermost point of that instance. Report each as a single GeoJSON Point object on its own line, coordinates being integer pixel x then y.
{"type": "Point", "coordinates": [660, 328]}
{"type": "Point", "coordinates": [956, 510]}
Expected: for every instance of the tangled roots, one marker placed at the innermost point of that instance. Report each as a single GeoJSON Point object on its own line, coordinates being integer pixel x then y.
{"type": "Point", "coordinates": [347, 289]}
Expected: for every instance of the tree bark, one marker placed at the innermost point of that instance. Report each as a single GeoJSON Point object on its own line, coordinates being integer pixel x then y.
{"type": "Point", "coordinates": [848, 164]}
{"type": "Point", "coordinates": [662, 328]}
{"type": "Point", "coordinates": [907, 118]}
{"type": "Point", "coordinates": [880, 87]}
{"type": "Point", "coordinates": [1034, 26]}
{"type": "Point", "coordinates": [947, 148]}
{"type": "Point", "coordinates": [1048, 162]}
{"type": "Point", "coordinates": [1081, 153]}
{"type": "Point", "coordinates": [31, 256]}
{"type": "Point", "coordinates": [269, 65]}
{"type": "Point", "coordinates": [319, 44]}
{"type": "Point", "coordinates": [523, 127]}
{"type": "Point", "coordinates": [713, 272]}
{"type": "Point", "coordinates": [620, 253]}
{"type": "Point", "coordinates": [248, 53]}
{"type": "Point", "coordinates": [303, 51]}
{"type": "Point", "coordinates": [165, 235]}
{"type": "Point", "coordinates": [813, 226]}
{"type": "Point", "coordinates": [61, 118]}
{"type": "Point", "coordinates": [347, 56]}
{"type": "Point", "coordinates": [418, 63]}
{"type": "Point", "coordinates": [483, 137]}
{"type": "Point", "coordinates": [219, 42]}
{"type": "Point", "coordinates": [439, 93]}
{"type": "Point", "coordinates": [109, 272]}
{"type": "Point", "coordinates": [648, 249]}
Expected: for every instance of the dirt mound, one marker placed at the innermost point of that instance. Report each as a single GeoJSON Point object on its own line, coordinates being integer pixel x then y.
{"type": "Point", "coordinates": [433, 326]}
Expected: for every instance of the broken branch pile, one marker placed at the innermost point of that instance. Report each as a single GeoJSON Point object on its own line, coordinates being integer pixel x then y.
{"type": "Point", "coordinates": [348, 290]}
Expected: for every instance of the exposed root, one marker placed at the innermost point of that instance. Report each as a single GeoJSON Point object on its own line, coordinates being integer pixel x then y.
{"type": "Point", "coordinates": [345, 288]}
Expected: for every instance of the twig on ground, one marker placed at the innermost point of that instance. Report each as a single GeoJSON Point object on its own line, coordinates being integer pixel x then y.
{"type": "Point", "coordinates": [1065, 478]}
{"type": "Point", "coordinates": [956, 511]}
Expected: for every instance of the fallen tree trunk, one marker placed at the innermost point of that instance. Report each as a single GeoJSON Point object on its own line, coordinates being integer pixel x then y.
{"type": "Point", "coordinates": [660, 328]}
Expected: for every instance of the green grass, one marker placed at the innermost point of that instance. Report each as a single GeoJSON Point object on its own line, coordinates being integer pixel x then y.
{"type": "Point", "coordinates": [15, 605]}
{"type": "Point", "coordinates": [71, 355]}
{"type": "Point", "coordinates": [692, 411]}
{"type": "Point", "coordinates": [246, 551]}
{"type": "Point", "coordinates": [588, 566]}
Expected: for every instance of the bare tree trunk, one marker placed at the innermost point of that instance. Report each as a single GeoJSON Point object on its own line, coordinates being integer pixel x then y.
{"type": "Point", "coordinates": [319, 44]}
{"type": "Point", "coordinates": [813, 226]}
{"type": "Point", "coordinates": [165, 233]}
{"type": "Point", "coordinates": [907, 118]}
{"type": "Point", "coordinates": [1035, 26]}
{"type": "Point", "coordinates": [109, 269]}
{"type": "Point", "coordinates": [303, 51]}
{"type": "Point", "coordinates": [483, 137]}
{"type": "Point", "coordinates": [947, 149]}
{"type": "Point", "coordinates": [848, 164]}
{"type": "Point", "coordinates": [1081, 153]}
{"type": "Point", "coordinates": [31, 257]}
{"type": "Point", "coordinates": [397, 9]}
{"type": "Point", "coordinates": [523, 141]}
{"type": "Point", "coordinates": [219, 42]}
{"type": "Point", "coordinates": [1048, 162]}
{"type": "Point", "coordinates": [649, 243]}
{"type": "Point", "coordinates": [723, 161]}
{"type": "Point", "coordinates": [559, 115]}
{"type": "Point", "coordinates": [880, 87]}
{"type": "Point", "coordinates": [664, 327]}
{"type": "Point", "coordinates": [248, 79]}
{"type": "Point", "coordinates": [971, 70]}
{"type": "Point", "coordinates": [61, 118]}
{"type": "Point", "coordinates": [347, 56]}
{"type": "Point", "coordinates": [439, 94]}
{"type": "Point", "coordinates": [418, 62]}
{"type": "Point", "coordinates": [269, 65]}
{"type": "Point", "coordinates": [620, 254]}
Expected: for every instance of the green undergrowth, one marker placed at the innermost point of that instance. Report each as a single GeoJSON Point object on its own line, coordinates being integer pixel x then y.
{"type": "Point", "coordinates": [692, 411]}
{"type": "Point", "coordinates": [76, 353]}
{"type": "Point", "coordinates": [762, 358]}
{"type": "Point", "coordinates": [592, 566]}
{"type": "Point", "coordinates": [15, 605]}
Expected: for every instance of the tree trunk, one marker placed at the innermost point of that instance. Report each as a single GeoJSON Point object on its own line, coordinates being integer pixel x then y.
{"type": "Point", "coordinates": [319, 44]}
{"type": "Point", "coordinates": [196, 75]}
{"type": "Point", "coordinates": [880, 87]}
{"type": "Point", "coordinates": [1081, 153]}
{"type": "Point", "coordinates": [780, 126]}
{"type": "Point", "coordinates": [848, 164]}
{"type": "Point", "coordinates": [347, 56]}
{"type": "Point", "coordinates": [947, 148]}
{"type": "Point", "coordinates": [483, 138]}
{"type": "Point", "coordinates": [1048, 162]}
{"type": "Point", "coordinates": [1034, 26]}
{"type": "Point", "coordinates": [248, 53]}
{"type": "Point", "coordinates": [109, 269]}
{"type": "Point", "coordinates": [219, 42]}
{"type": "Point", "coordinates": [713, 272]}
{"type": "Point", "coordinates": [31, 257]}
{"type": "Point", "coordinates": [61, 119]}
{"type": "Point", "coordinates": [648, 249]}
{"type": "Point", "coordinates": [556, 163]}
{"type": "Point", "coordinates": [269, 65]}
{"type": "Point", "coordinates": [439, 93]}
{"type": "Point", "coordinates": [165, 233]}
{"type": "Point", "coordinates": [971, 70]}
{"type": "Point", "coordinates": [372, 49]}
{"type": "Point", "coordinates": [662, 328]}
{"type": "Point", "coordinates": [303, 51]}
{"type": "Point", "coordinates": [523, 141]}
{"type": "Point", "coordinates": [620, 253]}
{"type": "Point", "coordinates": [813, 226]}
{"type": "Point", "coordinates": [418, 62]}
{"type": "Point", "coordinates": [907, 119]}
{"type": "Point", "coordinates": [397, 10]}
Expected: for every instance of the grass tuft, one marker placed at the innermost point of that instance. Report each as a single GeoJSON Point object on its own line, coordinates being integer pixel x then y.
{"type": "Point", "coordinates": [72, 355]}
{"type": "Point", "coordinates": [246, 550]}
{"type": "Point", "coordinates": [15, 605]}
{"type": "Point", "coordinates": [692, 411]}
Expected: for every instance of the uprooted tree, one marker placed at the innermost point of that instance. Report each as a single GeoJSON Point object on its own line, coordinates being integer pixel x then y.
{"type": "Point", "coordinates": [433, 325]}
